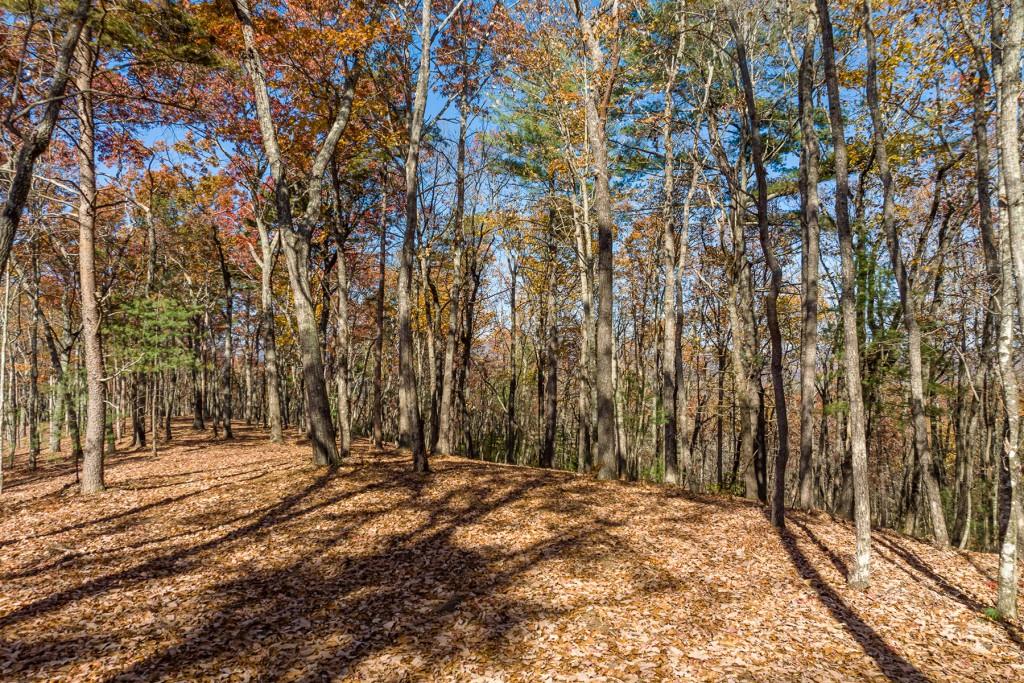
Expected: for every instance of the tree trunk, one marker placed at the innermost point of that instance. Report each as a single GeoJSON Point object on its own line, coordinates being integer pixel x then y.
{"type": "Point", "coordinates": [596, 120]}
{"type": "Point", "coordinates": [859, 576]}
{"type": "Point", "coordinates": [412, 428]}
{"type": "Point", "coordinates": [670, 337]}
{"type": "Point", "coordinates": [772, 301]}
{"type": "Point", "coordinates": [226, 400]}
{"type": "Point", "coordinates": [585, 402]}
{"type": "Point", "coordinates": [320, 427]}
{"type": "Point", "coordinates": [268, 253]}
{"type": "Point", "coordinates": [344, 352]}
{"type": "Point", "coordinates": [297, 232]}
{"type": "Point", "coordinates": [1008, 83]}
{"type": "Point", "coordinates": [549, 409]}
{"type": "Point", "coordinates": [511, 440]}
{"type": "Point", "coordinates": [809, 265]}
{"type": "Point", "coordinates": [95, 421]}
{"type": "Point", "coordinates": [445, 438]}
{"type": "Point", "coordinates": [378, 341]}
{"type": "Point", "coordinates": [33, 358]}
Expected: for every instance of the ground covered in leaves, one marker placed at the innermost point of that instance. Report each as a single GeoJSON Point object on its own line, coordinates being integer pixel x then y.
{"type": "Point", "coordinates": [240, 561]}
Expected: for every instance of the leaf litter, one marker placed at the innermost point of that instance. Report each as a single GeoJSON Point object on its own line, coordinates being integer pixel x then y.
{"type": "Point", "coordinates": [239, 561]}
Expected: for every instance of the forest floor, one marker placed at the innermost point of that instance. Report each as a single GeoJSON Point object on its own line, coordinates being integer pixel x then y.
{"type": "Point", "coordinates": [240, 561]}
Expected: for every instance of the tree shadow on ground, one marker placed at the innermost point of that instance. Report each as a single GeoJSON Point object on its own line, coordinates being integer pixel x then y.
{"type": "Point", "coordinates": [421, 593]}
{"type": "Point", "coordinates": [943, 585]}
{"type": "Point", "coordinates": [892, 664]}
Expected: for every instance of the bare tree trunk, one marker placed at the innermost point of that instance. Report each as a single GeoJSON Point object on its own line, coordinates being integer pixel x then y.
{"type": "Point", "coordinates": [56, 412]}
{"type": "Point", "coordinates": [412, 427]}
{"type": "Point", "coordinates": [511, 434]}
{"type": "Point", "coordinates": [1008, 84]}
{"type": "Point", "coordinates": [772, 300]}
{"type": "Point", "coordinates": [378, 342]}
{"type": "Point", "coordinates": [810, 257]}
{"type": "Point", "coordinates": [549, 407]}
{"type": "Point", "coordinates": [670, 336]}
{"type": "Point", "coordinates": [860, 574]}
{"type": "Point", "coordinates": [344, 353]}
{"type": "Point", "coordinates": [1006, 601]}
{"type": "Point", "coordinates": [198, 414]}
{"type": "Point", "coordinates": [445, 438]}
{"type": "Point", "coordinates": [296, 233]}
{"type": "Point", "coordinates": [226, 401]}
{"type": "Point", "coordinates": [268, 258]}
{"type": "Point", "coordinates": [95, 421]}
{"type": "Point", "coordinates": [33, 358]}
{"type": "Point", "coordinates": [596, 120]}
{"type": "Point", "coordinates": [586, 370]}
{"type": "Point", "coordinates": [5, 313]}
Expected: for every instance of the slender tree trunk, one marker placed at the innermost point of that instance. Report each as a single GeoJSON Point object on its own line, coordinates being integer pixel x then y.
{"type": "Point", "coordinates": [196, 342]}
{"type": "Point", "coordinates": [670, 337]}
{"type": "Point", "coordinates": [33, 358]}
{"type": "Point", "coordinates": [810, 257]}
{"type": "Point", "coordinates": [1009, 87]}
{"type": "Point", "coordinates": [56, 412]}
{"type": "Point", "coordinates": [445, 438]}
{"type": "Point", "coordinates": [226, 400]}
{"type": "Point", "coordinates": [378, 342]}
{"type": "Point", "coordinates": [5, 313]}
{"type": "Point", "coordinates": [268, 258]}
{"type": "Point", "coordinates": [511, 434]}
{"type": "Point", "coordinates": [344, 353]}
{"type": "Point", "coordinates": [860, 574]}
{"type": "Point", "coordinates": [95, 421]}
{"type": "Point", "coordinates": [412, 427]}
{"type": "Point", "coordinates": [1006, 601]}
{"type": "Point", "coordinates": [586, 371]}
{"type": "Point", "coordinates": [772, 300]}
{"type": "Point", "coordinates": [549, 408]}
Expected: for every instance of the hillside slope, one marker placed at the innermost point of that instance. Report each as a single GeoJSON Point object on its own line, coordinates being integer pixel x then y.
{"type": "Point", "coordinates": [239, 561]}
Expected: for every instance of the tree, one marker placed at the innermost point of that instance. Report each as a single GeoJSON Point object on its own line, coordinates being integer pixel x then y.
{"type": "Point", "coordinates": [861, 571]}
{"type": "Point", "coordinates": [297, 231]}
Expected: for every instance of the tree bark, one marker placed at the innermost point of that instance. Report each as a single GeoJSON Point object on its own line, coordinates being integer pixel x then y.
{"type": "Point", "coordinates": [226, 400]}
{"type": "Point", "coordinates": [596, 120]}
{"type": "Point", "coordinates": [445, 439]}
{"type": "Point", "coordinates": [859, 576]}
{"type": "Point", "coordinates": [344, 352]}
{"type": "Point", "coordinates": [412, 427]}
{"type": "Point", "coordinates": [268, 258]}
{"type": "Point", "coordinates": [511, 433]}
{"type": "Point", "coordinates": [772, 300]}
{"type": "Point", "coordinates": [95, 421]}
{"type": "Point", "coordinates": [810, 258]}
{"type": "Point", "coordinates": [670, 336]}
{"type": "Point", "coordinates": [1009, 85]}
{"type": "Point", "coordinates": [378, 342]}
